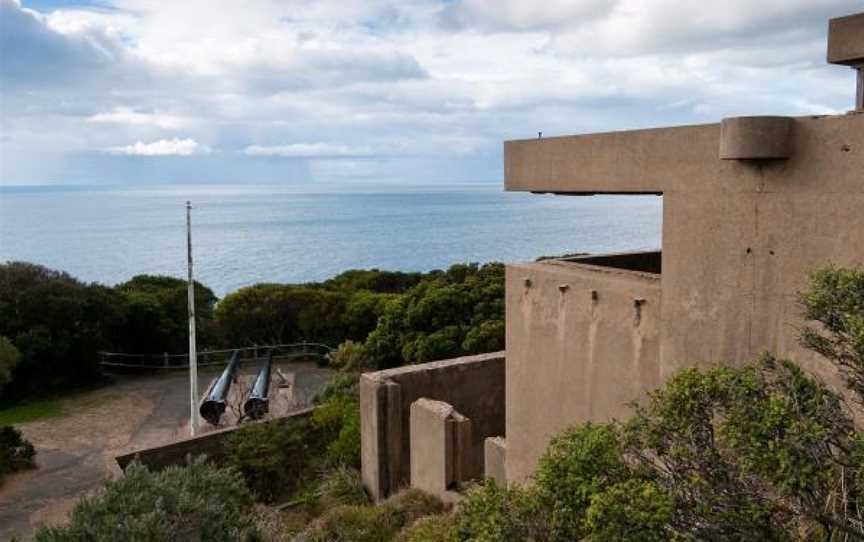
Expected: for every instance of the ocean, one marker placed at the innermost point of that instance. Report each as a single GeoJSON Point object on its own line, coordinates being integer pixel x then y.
{"type": "Point", "coordinates": [243, 234]}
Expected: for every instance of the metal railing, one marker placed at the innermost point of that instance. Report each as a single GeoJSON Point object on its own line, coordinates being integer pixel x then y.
{"type": "Point", "coordinates": [281, 352]}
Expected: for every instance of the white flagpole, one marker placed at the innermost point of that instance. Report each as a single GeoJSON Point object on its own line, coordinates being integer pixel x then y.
{"type": "Point", "coordinates": [193, 357]}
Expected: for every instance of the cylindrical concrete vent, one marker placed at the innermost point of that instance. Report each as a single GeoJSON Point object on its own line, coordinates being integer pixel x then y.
{"type": "Point", "coordinates": [755, 138]}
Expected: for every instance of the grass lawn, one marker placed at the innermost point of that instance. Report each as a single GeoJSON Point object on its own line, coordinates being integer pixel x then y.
{"type": "Point", "coordinates": [53, 407]}
{"type": "Point", "coordinates": [32, 411]}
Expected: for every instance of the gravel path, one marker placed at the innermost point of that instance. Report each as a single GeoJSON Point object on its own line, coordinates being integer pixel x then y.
{"type": "Point", "coordinates": [75, 453]}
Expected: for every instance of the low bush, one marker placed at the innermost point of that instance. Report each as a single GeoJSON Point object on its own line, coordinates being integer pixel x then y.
{"type": "Point", "coordinates": [195, 502]}
{"type": "Point", "coordinates": [372, 523]}
{"type": "Point", "coordinates": [341, 486]}
{"type": "Point", "coordinates": [338, 419]}
{"type": "Point", "coordinates": [350, 356]}
{"type": "Point", "coordinates": [352, 524]}
{"type": "Point", "coordinates": [9, 358]}
{"type": "Point", "coordinates": [492, 513]}
{"type": "Point", "coordinates": [411, 504]}
{"type": "Point", "coordinates": [16, 453]}
{"type": "Point", "coordinates": [579, 464]}
{"type": "Point", "coordinates": [630, 511]}
{"type": "Point", "coordinates": [276, 459]}
{"type": "Point", "coordinates": [437, 528]}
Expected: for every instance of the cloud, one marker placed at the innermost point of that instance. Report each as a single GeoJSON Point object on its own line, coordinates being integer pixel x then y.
{"type": "Point", "coordinates": [32, 53]}
{"type": "Point", "coordinates": [378, 88]}
{"type": "Point", "coordinates": [128, 116]}
{"type": "Point", "coordinates": [163, 147]}
{"type": "Point", "coordinates": [518, 15]}
{"type": "Point", "coordinates": [307, 150]}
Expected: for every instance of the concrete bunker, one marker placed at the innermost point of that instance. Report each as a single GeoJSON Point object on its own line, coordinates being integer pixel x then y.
{"type": "Point", "coordinates": [751, 206]}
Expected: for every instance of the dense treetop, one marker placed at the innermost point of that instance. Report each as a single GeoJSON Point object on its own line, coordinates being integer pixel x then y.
{"type": "Point", "coordinates": [55, 325]}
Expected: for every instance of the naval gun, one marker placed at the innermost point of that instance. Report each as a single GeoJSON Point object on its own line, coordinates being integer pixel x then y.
{"type": "Point", "coordinates": [213, 406]}
{"type": "Point", "coordinates": [258, 402]}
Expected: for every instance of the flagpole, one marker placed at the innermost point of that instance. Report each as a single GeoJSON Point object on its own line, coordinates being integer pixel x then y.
{"type": "Point", "coordinates": [193, 357]}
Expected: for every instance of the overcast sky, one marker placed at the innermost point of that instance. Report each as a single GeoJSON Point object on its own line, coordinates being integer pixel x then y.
{"type": "Point", "coordinates": [374, 90]}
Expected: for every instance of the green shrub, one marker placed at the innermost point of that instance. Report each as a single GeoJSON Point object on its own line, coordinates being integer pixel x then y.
{"type": "Point", "coordinates": [750, 453]}
{"type": "Point", "coordinates": [275, 459]}
{"type": "Point", "coordinates": [372, 523]}
{"type": "Point", "coordinates": [835, 299]}
{"type": "Point", "coordinates": [437, 528]}
{"type": "Point", "coordinates": [15, 452]}
{"type": "Point", "coordinates": [341, 384]}
{"type": "Point", "coordinates": [631, 511]}
{"type": "Point", "coordinates": [341, 486]}
{"type": "Point", "coordinates": [350, 356]}
{"type": "Point", "coordinates": [411, 504]}
{"type": "Point", "coordinates": [156, 310]}
{"type": "Point", "coordinates": [58, 324]}
{"type": "Point", "coordinates": [195, 502]}
{"type": "Point", "coordinates": [9, 357]}
{"type": "Point", "coordinates": [353, 524]}
{"type": "Point", "coordinates": [449, 313]}
{"type": "Point", "coordinates": [578, 464]}
{"type": "Point", "coordinates": [338, 419]}
{"type": "Point", "coordinates": [491, 513]}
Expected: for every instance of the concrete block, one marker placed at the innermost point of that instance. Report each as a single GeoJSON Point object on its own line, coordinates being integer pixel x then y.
{"type": "Point", "coordinates": [440, 447]}
{"type": "Point", "coordinates": [755, 138]}
{"type": "Point", "coordinates": [495, 453]}
{"type": "Point", "coordinates": [846, 40]}
{"type": "Point", "coordinates": [432, 446]}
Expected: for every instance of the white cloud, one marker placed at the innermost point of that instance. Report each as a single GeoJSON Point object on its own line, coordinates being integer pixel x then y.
{"type": "Point", "coordinates": [308, 150]}
{"type": "Point", "coordinates": [163, 147]}
{"type": "Point", "coordinates": [397, 84]}
{"type": "Point", "coordinates": [128, 116]}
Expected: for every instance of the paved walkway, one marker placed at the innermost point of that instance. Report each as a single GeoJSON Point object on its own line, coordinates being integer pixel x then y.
{"type": "Point", "coordinates": [76, 453]}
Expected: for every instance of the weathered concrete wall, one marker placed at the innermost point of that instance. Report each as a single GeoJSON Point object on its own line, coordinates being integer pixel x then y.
{"type": "Point", "coordinates": [211, 444]}
{"type": "Point", "coordinates": [473, 385]}
{"type": "Point", "coordinates": [441, 448]}
{"type": "Point", "coordinates": [739, 240]}
{"type": "Point", "coordinates": [582, 342]}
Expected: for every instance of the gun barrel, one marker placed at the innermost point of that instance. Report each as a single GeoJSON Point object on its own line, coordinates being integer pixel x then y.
{"type": "Point", "coordinates": [213, 406]}
{"type": "Point", "coordinates": [257, 404]}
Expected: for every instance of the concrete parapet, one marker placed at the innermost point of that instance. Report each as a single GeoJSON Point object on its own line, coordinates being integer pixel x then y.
{"type": "Point", "coordinates": [495, 456]}
{"type": "Point", "coordinates": [441, 447]}
{"type": "Point", "coordinates": [846, 40]}
{"type": "Point", "coordinates": [211, 444]}
{"type": "Point", "coordinates": [474, 386]}
{"type": "Point", "coordinates": [755, 138]}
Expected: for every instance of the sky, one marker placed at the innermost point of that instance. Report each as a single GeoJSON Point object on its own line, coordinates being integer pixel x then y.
{"type": "Point", "coordinates": [414, 91]}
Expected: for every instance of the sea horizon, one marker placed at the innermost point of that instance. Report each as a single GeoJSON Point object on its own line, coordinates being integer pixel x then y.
{"type": "Point", "coordinates": [249, 233]}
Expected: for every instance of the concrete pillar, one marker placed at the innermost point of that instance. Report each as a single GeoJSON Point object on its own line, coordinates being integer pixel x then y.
{"type": "Point", "coordinates": [381, 436]}
{"type": "Point", "coordinates": [373, 433]}
{"type": "Point", "coordinates": [494, 458]}
{"type": "Point", "coordinates": [440, 447]}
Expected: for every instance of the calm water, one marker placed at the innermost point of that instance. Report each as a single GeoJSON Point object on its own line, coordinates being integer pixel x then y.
{"type": "Point", "coordinates": [248, 234]}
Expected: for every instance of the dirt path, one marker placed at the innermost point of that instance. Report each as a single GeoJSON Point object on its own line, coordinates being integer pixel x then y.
{"type": "Point", "coordinates": [75, 453]}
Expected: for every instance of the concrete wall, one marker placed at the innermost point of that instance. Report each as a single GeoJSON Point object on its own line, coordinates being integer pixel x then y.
{"type": "Point", "coordinates": [582, 342]}
{"type": "Point", "coordinates": [473, 385]}
{"type": "Point", "coordinates": [739, 239]}
{"type": "Point", "coordinates": [210, 444]}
